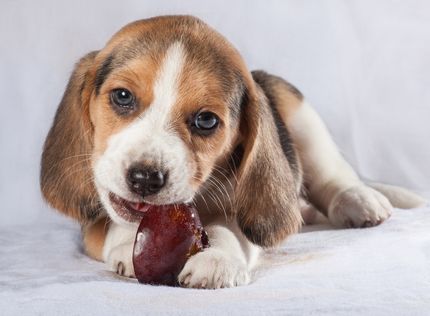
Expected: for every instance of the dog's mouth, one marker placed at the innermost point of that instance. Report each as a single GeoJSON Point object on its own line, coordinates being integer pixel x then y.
{"type": "Point", "coordinates": [127, 210]}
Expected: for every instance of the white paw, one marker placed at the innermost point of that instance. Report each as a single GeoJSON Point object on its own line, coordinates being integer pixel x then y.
{"type": "Point", "coordinates": [120, 260]}
{"type": "Point", "coordinates": [359, 206]}
{"type": "Point", "coordinates": [213, 269]}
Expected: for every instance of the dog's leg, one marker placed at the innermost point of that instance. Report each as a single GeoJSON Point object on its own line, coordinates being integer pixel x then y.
{"type": "Point", "coordinates": [118, 249]}
{"type": "Point", "coordinates": [111, 243]}
{"type": "Point", "coordinates": [226, 263]}
{"type": "Point", "coordinates": [94, 236]}
{"type": "Point", "coordinates": [333, 185]}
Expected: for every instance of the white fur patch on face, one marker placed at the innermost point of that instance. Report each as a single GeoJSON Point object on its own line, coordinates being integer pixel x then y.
{"type": "Point", "coordinates": [150, 139]}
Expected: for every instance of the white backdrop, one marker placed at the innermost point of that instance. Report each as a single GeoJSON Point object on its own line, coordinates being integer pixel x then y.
{"type": "Point", "coordinates": [363, 64]}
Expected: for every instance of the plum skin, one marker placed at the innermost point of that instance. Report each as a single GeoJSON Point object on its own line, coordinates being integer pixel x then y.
{"type": "Point", "coordinates": [167, 236]}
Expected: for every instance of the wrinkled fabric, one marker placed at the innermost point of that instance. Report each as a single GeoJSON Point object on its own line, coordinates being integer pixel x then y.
{"type": "Point", "coordinates": [325, 271]}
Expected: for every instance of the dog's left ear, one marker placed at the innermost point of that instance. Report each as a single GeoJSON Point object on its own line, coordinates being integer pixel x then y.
{"type": "Point", "coordinates": [266, 201]}
{"type": "Point", "coordinates": [65, 175]}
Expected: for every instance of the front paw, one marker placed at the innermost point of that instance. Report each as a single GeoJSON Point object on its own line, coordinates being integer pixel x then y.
{"type": "Point", "coordinates": [213, 269]}
{"type": "Point", "coordinates": [120, 260]}
{"type": "Point", "coordinates": [359, 206]}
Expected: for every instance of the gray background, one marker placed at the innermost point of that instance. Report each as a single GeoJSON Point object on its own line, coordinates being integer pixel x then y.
{"type": "Point", "coordinates": [364, 65]}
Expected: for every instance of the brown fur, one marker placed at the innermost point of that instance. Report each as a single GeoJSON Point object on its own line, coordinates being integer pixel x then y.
{"type": "Point", "coordinates": [66, 179]}
{"type": "Point", "coordinates": [202, 90]}
{"type": "Point", "coordinates": [137, 76]}
{"type": "Point", "coordinates": [94, 235]}
{"type": "Point", "coordinates": [285, 99]}
{"type": "Point", "coordinates": [215, 78]}
{"type": "Point", "coordinates": [266, 199]}
{"type": "Point", "coordinates": [286, 96]}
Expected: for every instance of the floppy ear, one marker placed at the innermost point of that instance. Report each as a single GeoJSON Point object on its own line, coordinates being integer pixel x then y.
{"type": "Point", "coordinates": [266, 201]}
{"type": "Point", "coordinates": [66, 178]}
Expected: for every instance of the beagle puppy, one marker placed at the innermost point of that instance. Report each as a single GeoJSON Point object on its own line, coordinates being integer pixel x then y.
{"type": "Point", "coordinates": [167, 112]}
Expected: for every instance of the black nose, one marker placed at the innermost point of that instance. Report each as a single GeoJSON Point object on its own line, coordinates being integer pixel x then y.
{"type": "Point", "coordinates": [144, 180]}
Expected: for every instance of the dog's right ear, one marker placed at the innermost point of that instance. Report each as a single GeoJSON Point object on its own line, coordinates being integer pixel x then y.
{"type": "Point", "coordinates": [66, 177]}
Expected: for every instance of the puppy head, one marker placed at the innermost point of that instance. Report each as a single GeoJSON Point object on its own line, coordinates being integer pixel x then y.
{"type": "Point", "coordinates": [153, 111]}
{"type": "Point", "coordinates": [146, 119]}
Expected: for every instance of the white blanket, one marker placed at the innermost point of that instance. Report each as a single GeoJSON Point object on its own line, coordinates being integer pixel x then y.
{"type": "Point", "coordinates": [376, 271]}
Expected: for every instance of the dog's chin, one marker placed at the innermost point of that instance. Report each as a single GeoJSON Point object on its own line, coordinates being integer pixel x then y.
{"type": "Point", "coordinates": [126, 212]}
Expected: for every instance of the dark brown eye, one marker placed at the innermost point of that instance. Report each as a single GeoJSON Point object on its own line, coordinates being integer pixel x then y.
{"type": "Point", "coordinates": [122, 99]}
{"type": "Point", "coordinates": [204, 123]}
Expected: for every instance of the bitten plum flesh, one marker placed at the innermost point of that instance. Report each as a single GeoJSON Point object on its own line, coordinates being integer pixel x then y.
{"type": "Point", "coordinates": [167, 236]}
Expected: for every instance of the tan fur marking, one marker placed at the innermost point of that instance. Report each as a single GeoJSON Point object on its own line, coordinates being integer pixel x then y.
{"type": "Point", "coordinates": [94, 238]}
{"type": "Point", "coordinates": [201, 92]}
{"type": "Point", "coordinates": [137, 76]}
{"type": "Point", "coordinates": [287, 97]}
